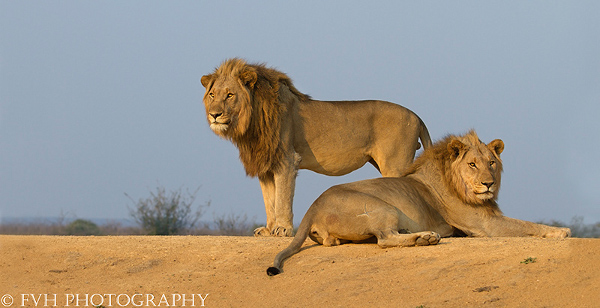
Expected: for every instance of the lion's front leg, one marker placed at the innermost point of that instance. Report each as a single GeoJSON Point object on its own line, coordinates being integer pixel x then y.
{"type": "Point", "coordinates": [506, 226]}
{"type": "Point", "coordinates": [285, 184]}
{"type": "Point", "coordinates": [267, 185]}
{"type": "Point", "coordinates": [278, 195]}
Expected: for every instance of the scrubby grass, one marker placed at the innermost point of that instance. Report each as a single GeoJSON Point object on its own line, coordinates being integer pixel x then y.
{"type": "Point", "coordinates": [529, 260]}
{"type": "Point", "coordinates": [59, 227]}
{"type": "Point", "coordinates": [232, 224]}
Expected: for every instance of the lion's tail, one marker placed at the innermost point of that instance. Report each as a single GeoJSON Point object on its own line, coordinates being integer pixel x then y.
{"type": "Point", "coordinates": [424, 135]}
{"type": "Point", "coordinates": [294, 246]}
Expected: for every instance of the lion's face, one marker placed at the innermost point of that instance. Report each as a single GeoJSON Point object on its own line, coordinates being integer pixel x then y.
{"type": "Point", "coordinates": [476, 169]}
{"type": "Point", "coordinates": [226, 104]}
{"type": "Point", "coordinates": [228, 101]}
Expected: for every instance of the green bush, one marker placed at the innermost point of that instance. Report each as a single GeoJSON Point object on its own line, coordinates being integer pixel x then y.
{"type": "Point", "coordinates": [82, 227]}
{"type": "Point", "coordinates": [166, 214]}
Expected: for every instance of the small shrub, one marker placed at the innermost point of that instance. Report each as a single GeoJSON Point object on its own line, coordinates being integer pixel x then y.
{"type": "Point", "coordinates": [82, 227]}
{"type": "Point", "coordinates": [167, 213]}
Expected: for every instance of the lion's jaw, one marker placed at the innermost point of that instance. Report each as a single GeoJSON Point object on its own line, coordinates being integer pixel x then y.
{"type": "Point", "coordinates": [486, 195]}
{"type": "Point", "coordinates": [219, 126]}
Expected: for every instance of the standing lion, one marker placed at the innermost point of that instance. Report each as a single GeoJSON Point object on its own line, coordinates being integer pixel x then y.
{"type": "Point", "coordinates": [279, 130]}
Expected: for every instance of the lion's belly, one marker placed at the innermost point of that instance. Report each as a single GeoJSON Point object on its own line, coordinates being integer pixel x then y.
{"type": "Point", "coordinates": [334, 138]}
{"type": "Point", "coordinates": [333, 164]}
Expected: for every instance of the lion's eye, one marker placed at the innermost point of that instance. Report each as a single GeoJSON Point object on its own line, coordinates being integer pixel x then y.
{"type": "Point", "coordinates": [229, 95]}
{"type": "Point", "coordinates": [212, 95]}
{"type": "Point", "coordinates": [492, 163]}
{"type": "Point", "coordinates": [472, 165]}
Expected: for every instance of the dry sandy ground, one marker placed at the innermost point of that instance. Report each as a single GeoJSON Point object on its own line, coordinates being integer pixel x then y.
{"type": "Point", "coordinates": [230, 272]}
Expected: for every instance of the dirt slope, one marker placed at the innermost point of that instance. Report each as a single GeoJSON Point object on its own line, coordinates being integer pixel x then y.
{"type": "Point", "coordinates": [159, 271]}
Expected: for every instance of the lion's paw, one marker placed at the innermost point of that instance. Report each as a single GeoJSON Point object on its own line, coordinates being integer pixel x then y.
{"type": "Point", "coordinates": [282, 231]}
{"type": "Point", "coordinates": [277, 231]}
{"type": "Point", "coordinates": [428, 238]}
{"type": "Point", "coordinates": [558, 233]}
{"type": "Point", "coordinates": [262, 231]}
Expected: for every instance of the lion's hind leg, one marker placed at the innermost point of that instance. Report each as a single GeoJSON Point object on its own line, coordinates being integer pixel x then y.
{"type": "Point", "coordinates": [384, 221]}
{"type": "Point", "coordinates": [324, 238]}
{"type": "Point", "coordinates": [393, 239]}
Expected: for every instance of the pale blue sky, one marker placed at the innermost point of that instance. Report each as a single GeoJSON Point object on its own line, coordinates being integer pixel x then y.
{"type": "Point", "coordinates": [98, 99]}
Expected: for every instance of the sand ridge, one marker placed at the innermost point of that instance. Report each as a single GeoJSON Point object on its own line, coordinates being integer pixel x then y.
{"type": "Point", "coordinates": [221, 271]}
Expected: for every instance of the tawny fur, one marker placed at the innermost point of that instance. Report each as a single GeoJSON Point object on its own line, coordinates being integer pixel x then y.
{"type": "Point", "coordinates": [450, 190]}
{"type": "Point", "coordinates": [279, 130]}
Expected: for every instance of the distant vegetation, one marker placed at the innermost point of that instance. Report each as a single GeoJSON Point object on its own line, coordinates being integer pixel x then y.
{"type": "Point", "coordinates": [59, 227]}
{"type": "Point", "coordinates": [82, 227]}
{"type": "Point", "coordinates": [230, 224]}
{"type": "Point", "coordinates": [174, 213]}
{"type": "Point", "coordinates": [234, 224]}
{"type": "Point", "coordinates": [167, 213]}
{"type": "Point", "coordinates": [161, 213]}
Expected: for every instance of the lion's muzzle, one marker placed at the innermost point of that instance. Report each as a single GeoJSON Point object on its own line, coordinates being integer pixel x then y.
{"type": "Point", "coordinates": [215, 115]}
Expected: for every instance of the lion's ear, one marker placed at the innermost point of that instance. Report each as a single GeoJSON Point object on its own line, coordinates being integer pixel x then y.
{"type": "Point", "coordinates": [206, 80]}
{"type": "Point", "coordinates": [455, 147]}
{"type": "Point", "coordinates": [496, 146]}
{"type": "Point", "coordinates": [249, 78]}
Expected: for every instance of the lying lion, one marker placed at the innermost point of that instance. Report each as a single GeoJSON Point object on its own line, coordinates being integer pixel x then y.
{"type": "Point", "coordinates": [450, 190]}
{"type": "Point", "coordinates": [279, 130]}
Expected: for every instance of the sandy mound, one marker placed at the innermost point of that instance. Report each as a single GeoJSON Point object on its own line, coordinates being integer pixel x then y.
{"type": "Point", "coordinates": [164, 271]}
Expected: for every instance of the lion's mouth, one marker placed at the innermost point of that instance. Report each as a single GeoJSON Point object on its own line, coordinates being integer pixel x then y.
{"type": "Point", "coordinates": [488, 194]}
{"type": "Point", "coordinates": [219, 126]}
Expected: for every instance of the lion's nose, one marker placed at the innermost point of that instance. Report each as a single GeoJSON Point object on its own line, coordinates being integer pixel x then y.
{"type": "Point", "coordinates": [215, 115]}
{"type": "Point", "coordinates": [487, 184]}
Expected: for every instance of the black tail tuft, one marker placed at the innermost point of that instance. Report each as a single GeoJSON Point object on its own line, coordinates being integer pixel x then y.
{"type": "Point", "coordinates": [272, 271]}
